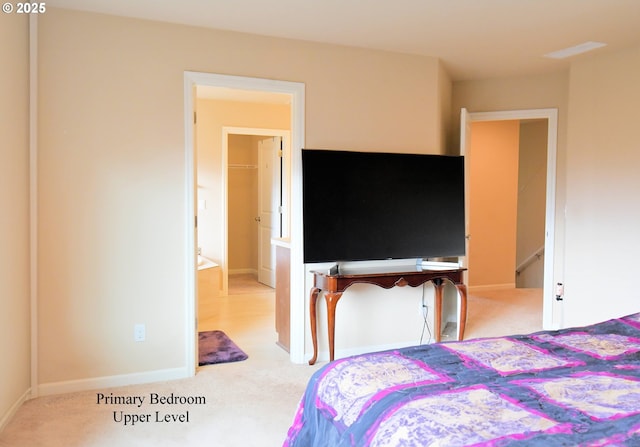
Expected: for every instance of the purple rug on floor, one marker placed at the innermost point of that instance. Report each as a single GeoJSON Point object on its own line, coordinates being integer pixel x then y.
{"type": "Point", "coordinates": [216, 347]}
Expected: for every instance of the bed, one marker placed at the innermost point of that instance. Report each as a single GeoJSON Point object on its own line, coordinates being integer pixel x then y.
{"type": "Point", "coordinates": [571, 387]}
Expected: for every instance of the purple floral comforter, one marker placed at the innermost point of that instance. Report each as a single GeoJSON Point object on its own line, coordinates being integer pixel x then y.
{"type": "Point", "coordinates": [572, 387]}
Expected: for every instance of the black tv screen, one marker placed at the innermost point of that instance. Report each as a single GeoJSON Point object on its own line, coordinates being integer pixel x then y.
{"type": "Point", "coordinates": [371, 206]}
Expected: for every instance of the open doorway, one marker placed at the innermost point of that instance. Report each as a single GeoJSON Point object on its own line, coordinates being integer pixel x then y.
{"type": "Point", "coordinates": [255, 87]}
{"type": "Point", "coordinates": [545, 249]}
{"type": "Point", "coordinates": [257, 197]}
{"type": "Point", "coordinates": [507, 204]}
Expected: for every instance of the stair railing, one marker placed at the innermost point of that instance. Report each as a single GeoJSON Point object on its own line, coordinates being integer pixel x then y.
{"type": "Point", "coordinates": [535, 256]}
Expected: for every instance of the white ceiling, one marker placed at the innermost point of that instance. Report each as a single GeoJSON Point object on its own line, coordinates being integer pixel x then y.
{"type": "Point", "coordinates": [475, 39]}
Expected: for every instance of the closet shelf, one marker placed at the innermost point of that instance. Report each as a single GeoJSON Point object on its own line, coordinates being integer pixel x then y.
{"type": "Point", "coordinates": [239, 166]}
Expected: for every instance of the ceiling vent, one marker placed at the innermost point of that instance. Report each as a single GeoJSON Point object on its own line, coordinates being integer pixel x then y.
{"type": "Point", "coordinates": [572, 51]}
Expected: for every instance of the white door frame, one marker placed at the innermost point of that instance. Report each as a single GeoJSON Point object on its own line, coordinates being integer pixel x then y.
{"type": "Point", "coordinates": [226, 131]}
{"type": "Point", "coordinates": [297, 92]}
{"type": "Point", "coordinates": [549, 320]}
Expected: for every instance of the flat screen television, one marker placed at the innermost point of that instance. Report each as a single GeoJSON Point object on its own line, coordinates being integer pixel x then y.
{"type": "Point", "coordinates": [361, 206]}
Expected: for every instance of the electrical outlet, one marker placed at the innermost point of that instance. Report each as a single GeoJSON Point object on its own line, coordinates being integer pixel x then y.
{"type": "Point", "coordinates": [139, 332]}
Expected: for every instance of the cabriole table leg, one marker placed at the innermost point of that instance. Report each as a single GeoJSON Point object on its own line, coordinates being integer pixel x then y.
{"type": "Point", "coordinates": [313, 297]}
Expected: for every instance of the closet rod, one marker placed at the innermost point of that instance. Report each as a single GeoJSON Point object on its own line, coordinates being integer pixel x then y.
{"type": "Point", "coordinates": [237, 166]}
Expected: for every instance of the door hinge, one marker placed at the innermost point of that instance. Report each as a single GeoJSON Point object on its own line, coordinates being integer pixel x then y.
{"type": "Point", "coordinates": [195, 117]}
{"type": "Point", "coordinates": [280, 153]}
{"type": "Point", "coordinates": [196, 221]}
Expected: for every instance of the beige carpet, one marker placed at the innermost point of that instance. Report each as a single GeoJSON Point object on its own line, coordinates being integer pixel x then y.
{"type": "Point", "coordinates": [503, 312]}
{"type": "Point", "coordinates": [248, 404]}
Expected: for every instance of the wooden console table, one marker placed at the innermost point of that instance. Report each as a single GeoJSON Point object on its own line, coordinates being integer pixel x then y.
{"type": "Point", "coordinates": [334, 285]}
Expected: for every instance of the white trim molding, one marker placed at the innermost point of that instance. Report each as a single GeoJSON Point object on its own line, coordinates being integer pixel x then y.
{"type": "Point", "coordinates": [6, 418]}
{"type": "Point", "coordinates": [98, 383]}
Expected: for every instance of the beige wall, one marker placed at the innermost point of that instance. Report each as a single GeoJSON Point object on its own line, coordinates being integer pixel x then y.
{"type": "Point", "coordinates": [603, 210]}
{"type": "Point", "coordinates": [493, 191]}
{"type": "Point", "coordinates": [112, 174]}
{"type": "Point", "coordinates": [15, 341]}
{"type": "Point", "coordinates": [445, 91]}
{"type": "Point", "coordinates": [532, 200]}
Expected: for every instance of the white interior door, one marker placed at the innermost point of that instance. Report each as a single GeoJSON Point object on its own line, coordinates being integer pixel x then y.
{"type": "Point", "coordinates": [269, 196]}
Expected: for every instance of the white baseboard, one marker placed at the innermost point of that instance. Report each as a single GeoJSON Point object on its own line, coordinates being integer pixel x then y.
{"type": "Point", "coordinates": [6, 418]}
{"type": "Point", "coordinates": [472, 289]}
{"type": "Point", "coordinates": [72, 386]}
